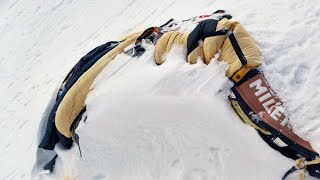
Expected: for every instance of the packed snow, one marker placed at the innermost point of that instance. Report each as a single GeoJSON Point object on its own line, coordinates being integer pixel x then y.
{"type": "Point", "coordinates": [146, 121]}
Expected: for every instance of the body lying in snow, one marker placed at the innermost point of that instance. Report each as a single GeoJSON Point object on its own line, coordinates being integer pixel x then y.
{"type": "Point", "coordinates": [214, 35]}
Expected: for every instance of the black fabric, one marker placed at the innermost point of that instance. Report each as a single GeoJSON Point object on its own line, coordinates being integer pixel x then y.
{"type": "Point", "coordinates": [221, 32]}
{"type": "Point", "coordinates": [286, 151]}
{"type": "Point", "coordinates": [66, 142]}
{"type": "Point", "coordinates": [85, 60]}
{"type": "Point", "coordinates": [314, 170]}
{"type": "Point", "coordinates": [51, 135]}
{"type": "Point", "coordinates": [237, 48]}
{"type": "Point", "coordinates": [207, 28]}
{"type": "Point", "coordinates": [228, 16]}
{"type": "Point", "coordinates": [167, 23]}
{"type": "Point", "coordinates": [74, 125]}
{"type": "Point", "coordinates": [50, 165]}
{"type": "Point", "coordinates": [138, 51]}
{"type": "Point", "coordinates": [219, 11]}
{"type": "Point", "coordinates": [89, 57]}
{"type": "Point", "coordinates": [204, 29]}
{"type": "Point", "coordinates": [293, 169]}
{"type": "Point", "coordinates": [50, 140]}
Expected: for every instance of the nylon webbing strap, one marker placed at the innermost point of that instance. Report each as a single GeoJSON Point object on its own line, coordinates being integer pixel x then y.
{"type": "Point", "coordinates": [221, 32]}
{"type": "Point", "coordinates": [234, 43]}
{"type": "Point", "coordinates": [293, 169]}
{"type": "Point", "coordinates": [237, 76]}
{"type": "Point", "coordinates": [167, 23]}
{"type": "Point", "coordinates": [301, 164]}
{"type": "Point", "coordinates": [237, 48]}
{"type": "Point", "coordinates": [50, 165]}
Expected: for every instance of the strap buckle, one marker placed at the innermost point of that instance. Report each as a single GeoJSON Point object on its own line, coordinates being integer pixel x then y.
{"type": "Point", "coordinates": [301, 163]}
{"type": "Point", "coordinates": [237, 76]}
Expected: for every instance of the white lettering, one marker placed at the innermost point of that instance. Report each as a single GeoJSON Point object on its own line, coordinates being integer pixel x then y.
{"type": "Point", "coordinates": [275, 110]}
{"type": "Point", "coordinates": [264, 97]}
{"type": "Point", "coordinates": [277, 113]}
{"type": "Point", "coordinates": [267, 105]}
{"type": "Point", "coordinates": [259, 87]}
{"type": "Point", "coordinates": [284, 122]}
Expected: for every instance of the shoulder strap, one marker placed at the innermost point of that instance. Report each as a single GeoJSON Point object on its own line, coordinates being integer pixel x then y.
{"type": "Point", "coordinates": [234, 43]}
{"type": "Point", "coordinates": [236, 47]}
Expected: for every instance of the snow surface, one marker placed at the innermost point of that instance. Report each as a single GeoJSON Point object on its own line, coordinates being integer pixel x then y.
{"type": "Point", "coordinates": [146, 121]}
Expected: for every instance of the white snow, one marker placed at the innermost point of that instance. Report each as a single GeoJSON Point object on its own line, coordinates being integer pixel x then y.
{"type": "Point", "coordinates": [147, 121]}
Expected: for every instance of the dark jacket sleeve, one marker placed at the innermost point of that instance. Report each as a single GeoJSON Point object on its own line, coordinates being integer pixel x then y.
{"type": "Point", "coordinates": [204, 29]}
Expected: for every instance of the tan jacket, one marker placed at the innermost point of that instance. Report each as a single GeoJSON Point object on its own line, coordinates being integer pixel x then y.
{"type": "Point", "coordinates": [212, 45]}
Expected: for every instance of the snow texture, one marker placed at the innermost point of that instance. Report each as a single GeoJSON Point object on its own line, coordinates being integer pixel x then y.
{"type": "Point", "coordinates": [146, 121]}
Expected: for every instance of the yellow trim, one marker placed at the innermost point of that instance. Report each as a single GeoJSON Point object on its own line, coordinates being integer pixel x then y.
{"type": "Point", "coordinates": [301, 164]}
{"type": "Point", "coordinates": [235, 105]}
{"type": "Point", "coordinates": [240, 74]}
{"type": "Point", "coordinates": [302, 175]}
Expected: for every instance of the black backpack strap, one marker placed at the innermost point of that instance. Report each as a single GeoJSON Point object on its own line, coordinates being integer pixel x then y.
{"type": "Point", "coordinates": [168, 22]}
{"type": "Point", "coordinates": [236, 47]}
{"type": "Point", "coordinates": [239, 74]}
{"type": "Point", "coordinates": [76, 122]}
{"type": "Point", "coordinates": [204, 29]}
{"type": "Point", "coordinates": [293, 169]}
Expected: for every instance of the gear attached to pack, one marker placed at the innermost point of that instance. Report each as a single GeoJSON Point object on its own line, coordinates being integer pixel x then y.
{"type": "Point", "coordinates": [276, 123]}
{"type": "Point", "coordinates": [258, 106]}
{"type": "Point", "coordinates": [151, 34]}
{"type": "Point", "coordinates": [302, 164]}
{"type": "Point", "coordinates": [284, 138]}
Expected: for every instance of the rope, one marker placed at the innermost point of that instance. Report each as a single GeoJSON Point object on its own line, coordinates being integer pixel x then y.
{"type": "Point", "coordinates": [301, 164]}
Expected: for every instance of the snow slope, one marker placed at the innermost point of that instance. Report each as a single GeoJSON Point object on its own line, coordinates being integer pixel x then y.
{"type": "Point", "coordinates": [145, 121]}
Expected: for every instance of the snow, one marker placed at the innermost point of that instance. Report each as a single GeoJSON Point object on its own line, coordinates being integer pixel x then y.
{"type": "Point", "coordinates": [146, 121]}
